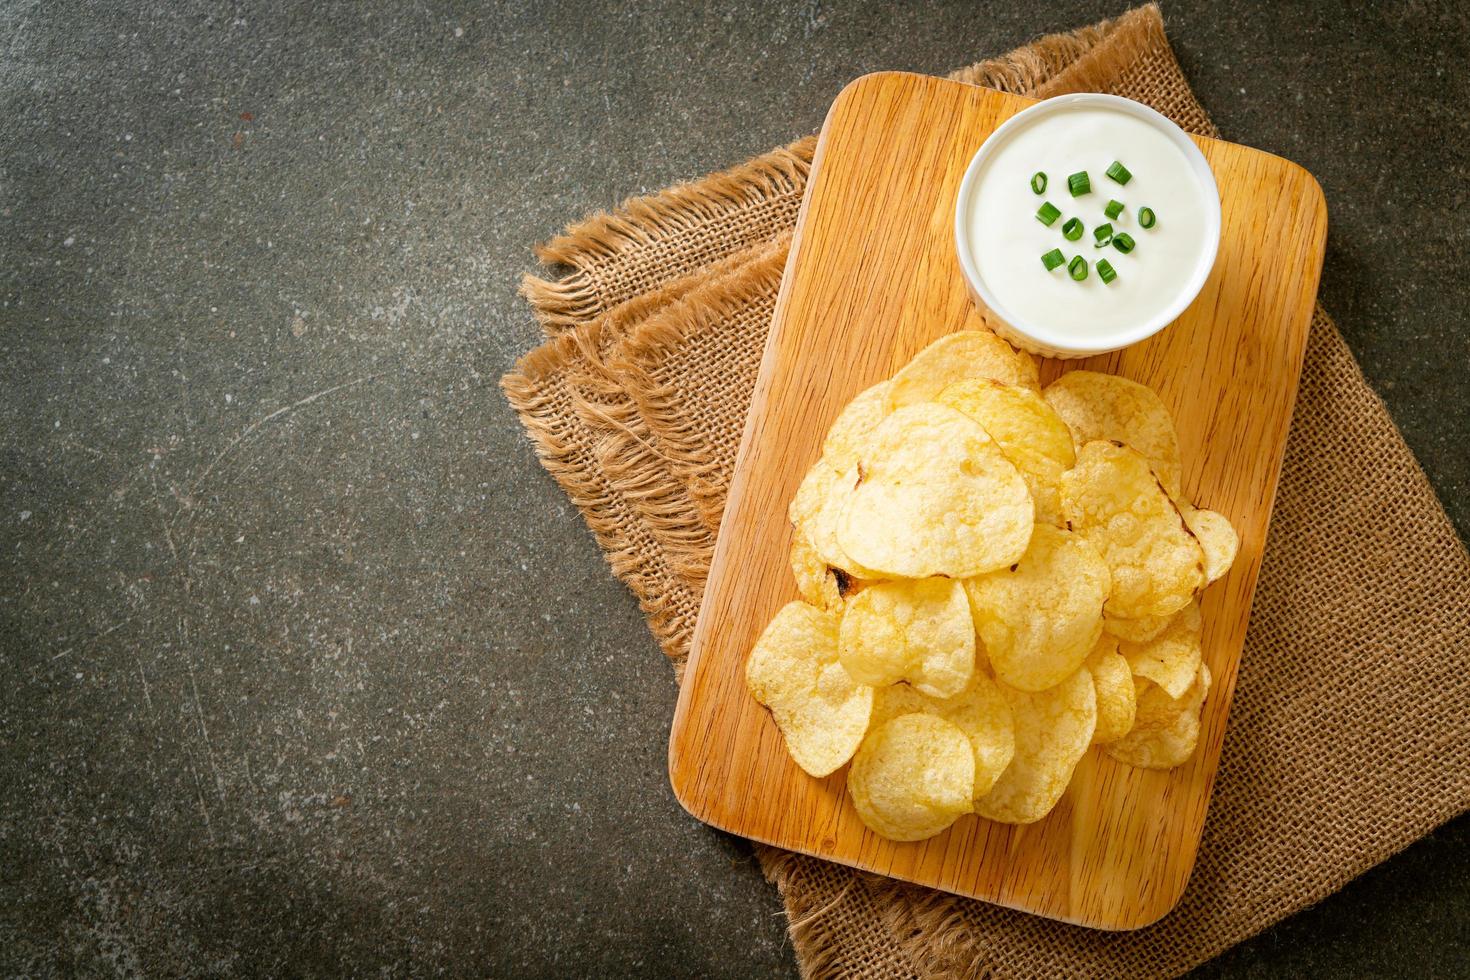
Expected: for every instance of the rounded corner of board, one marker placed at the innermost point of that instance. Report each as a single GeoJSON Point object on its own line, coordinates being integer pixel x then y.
{"type": "Point", "coordinates": [1150, 913]}
{"type": "Point", "coordinates": [1309, 189]}
{"type": "Point", "coordinates": [678, 766]}
{"type": "Point", "coordinates": [884, 78]}
{"type": "Point", "coordinates": [864, 86]}
{"type": "Point", "coordinates": [682, 767]}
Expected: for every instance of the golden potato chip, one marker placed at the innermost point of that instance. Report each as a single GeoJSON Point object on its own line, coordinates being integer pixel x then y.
{"type": "Point", "coordinates": [860, 417]}
{"type": "Point", "coordinates": [1039, 618]}
{"type": "Point", "coordinates": [815, 509]}
{"type": "Point", "coordinates": [1107, 407]}
{"type": "Point", "coordinates": [917, 631]}
{"type": "Point", "coordinates": [793, 670]}
{"type": "Point", "coordinates": [1171, 660]}
{"type": "Point", "coordinates": [815, 579]}
{"type": "Point", "coordinates": [1116, 699]}
{"type": "Point", "coordinates": [822, 529]}
{"type": "Point", "coordinates": [980, 711]}
{"type": "Point", "coordinates": [955, 357]}
{"type": "Point", "coordinates": [912, 777]}
{"type": "Point", "coordinates": [1167, 730]}
{"type": "Point", "coordinates": [1053, 731]}
{"type": "Point", "coordinates": [1217, 538]}
{"type": "Point", "coordinates": [813, 492]}
{"type": "Point", "coordinates": [1136, 630]}
{"type": "Point", "coordinates": [1113, 500]}
{"type": "Point", "coordinates": [935, 496]}
{"type": "Point", "coordinates": [1031, 435]}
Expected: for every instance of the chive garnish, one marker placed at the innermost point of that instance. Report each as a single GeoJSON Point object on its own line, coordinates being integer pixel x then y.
{"type": "Point", "coordinates": [1053, 259]}
{"type": "Point", "coordinates": [1123, 242]}
{"type": "Point", "coordinates": [1105, 271]}
{"type": "Point", "coordinates": [1079, 183]}
{"type": "Point", "coordinates": [1103, 234]}
{"type": "Point", "coordinates": [1047, 213]}
{"type": "Point", "coordinates": [1072, 230]}
{"type": "Point", "coordinates": [1077, 268]}
{"type": "Point", "coordinates": [1119, 172]}
{"type": "Point", "coordinates": [1038, 182]}
{"type": "Point", "coordinates": [1113, 209]}
{"type": "Point", "coordinates": [1146, 218]}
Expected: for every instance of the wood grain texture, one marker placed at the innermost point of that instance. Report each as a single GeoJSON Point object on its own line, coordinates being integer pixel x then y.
{"type": "Point", "coordinates": [872, 279]}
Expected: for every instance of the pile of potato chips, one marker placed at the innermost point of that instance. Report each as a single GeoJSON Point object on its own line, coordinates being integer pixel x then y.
{"type": "Point", "coordinates": [995, 578]}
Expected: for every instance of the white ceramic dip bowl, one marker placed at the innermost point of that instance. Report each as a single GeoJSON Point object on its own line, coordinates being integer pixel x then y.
{"type": "Point", "coordinates": [1001, 242]}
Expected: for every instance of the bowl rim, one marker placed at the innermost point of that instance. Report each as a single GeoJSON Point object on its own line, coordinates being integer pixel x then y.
{"type": "Point", "coordinates": [1121, 338]}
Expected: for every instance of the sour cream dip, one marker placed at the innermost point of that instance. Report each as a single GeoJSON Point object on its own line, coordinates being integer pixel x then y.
{"type": "Point", "coordinates": [1153, 277]}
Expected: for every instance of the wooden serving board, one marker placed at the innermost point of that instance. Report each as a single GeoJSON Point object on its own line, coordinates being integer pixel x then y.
{"type": "Point", "coordinates": [872, 279]}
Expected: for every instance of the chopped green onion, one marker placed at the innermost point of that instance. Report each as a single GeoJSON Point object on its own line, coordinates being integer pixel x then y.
{"type": "Point", "coordinates": [1038, 182]}
{"type": "Point", "coordinates": [1123, 242]}
{"type": "Point", "coordinates": [1119, 172]}
{"type": "Point", "coordinates": [1053, 259]}
{"type": "Point", "coordinates": [1079, 183]}
{"type": "Point", "coordinates": [1105, 271]}
{"type": "Point", "coordinates": [1146, 218]}
{"type": "Point", "coordinates": [1113, 209]}
{"type": "Point", "coordinates": [1103, 234]}
{"type": "Point", "coordinates": [1077, 268]}
{"type": "Point", "coordinates": [1047, 213]}
{"type": "Point", "coordinates": [1072, 230]}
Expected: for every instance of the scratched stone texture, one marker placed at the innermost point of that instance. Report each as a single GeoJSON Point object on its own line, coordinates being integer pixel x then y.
{"type": "Point", "coordinates": [308, 668]}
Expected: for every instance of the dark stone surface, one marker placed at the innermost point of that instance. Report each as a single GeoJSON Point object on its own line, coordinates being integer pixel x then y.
{"type": "Point", "coordinates": [309, 667]}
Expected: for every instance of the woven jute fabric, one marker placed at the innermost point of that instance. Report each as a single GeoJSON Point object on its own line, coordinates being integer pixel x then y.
{"type": "Point", "coordinates": [1349, 736]}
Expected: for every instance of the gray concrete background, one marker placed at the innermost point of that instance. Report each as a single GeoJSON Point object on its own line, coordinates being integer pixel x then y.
{"type": "Point", "coordinates": [309, 668]}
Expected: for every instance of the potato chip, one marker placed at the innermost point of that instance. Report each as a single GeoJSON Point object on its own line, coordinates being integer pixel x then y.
{"type": "Point", "coordinates": [980, 711]}
{"type": "Point", "coordinates": [955, 357]}
{"type": "Point", "coordinates": [935, 496]}
{"type": "Point", "coordinates": [1117, 701]}
{"type": "Point", "coordinates": [860, 417]}
{"type": "Point", "coordinates": [1217, 538]}
{"type": "Point", "coordinates": [813, 492]}
{"type": "Point", "coordinates": [815, 579]}
{"type": "Point", "coordinates": [1136, 630]}
{"type": "Point", "coordinates": [1107, 407]}
{"type": "Point", "coordinates": [913, 777]}
{"type": "Point", "coordinates": [793, 670]}
{"type": "Point", "coordinates": [1031, 435]}
{"type": "Point", "coordinates": [1112, 498]}
{"type": "Point", "coordinates": [1053, 731]}
{"type": "Point", "coordinates": [822, 530]}
{"type": "Point", "coordinates": [1171, 660]}
{"type": "Point", "coordinates": [1167, 729]}
{"type": "Point", "coordinates": [1039, 618]}
{"type": "Point", "coordinates": [916, 631]}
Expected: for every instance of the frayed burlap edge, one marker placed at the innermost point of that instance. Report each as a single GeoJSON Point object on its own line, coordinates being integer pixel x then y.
{"type": "Point", "coordinates": [634, 359]}
{"type": "Point", "coordinates": [829, 939]}
{"type": "Point", "coordinates": [534, 390]}
{"type": "Point", "coordinates": [631, 478]}
{"type": "Point", "coordinates": [634, 452]}
{"type": "Point", "coordinates": [549, 375]}
{"type": "Point", "coordinates": [633, 463]}
{"type": "Point", "coordinates": [643, 221]}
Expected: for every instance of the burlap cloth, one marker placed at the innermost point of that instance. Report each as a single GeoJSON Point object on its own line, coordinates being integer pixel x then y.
{"type": "Point", "coordinates": [1350, 732]}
